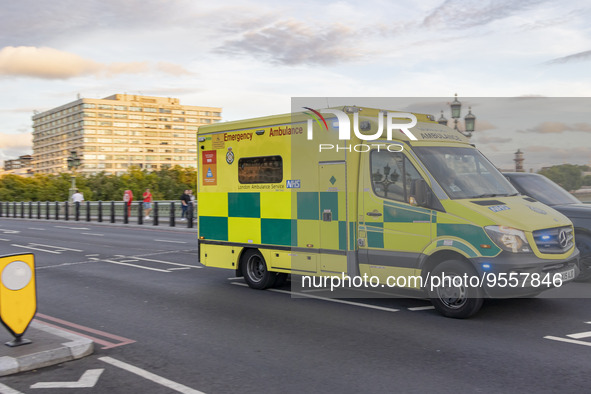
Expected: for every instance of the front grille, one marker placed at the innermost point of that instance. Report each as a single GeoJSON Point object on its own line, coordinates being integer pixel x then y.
{"type": "Point", "coordinates": [554, 240]}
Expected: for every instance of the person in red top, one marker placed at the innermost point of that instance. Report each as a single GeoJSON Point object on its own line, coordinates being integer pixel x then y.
{"type": "Point", "coordinates": [147, 203]}
{"type": "Point", "coordinates": [128, 198]}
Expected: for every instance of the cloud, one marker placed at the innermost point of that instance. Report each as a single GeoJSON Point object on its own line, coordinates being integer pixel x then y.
{"type": "Point", "coordinates": [291, 42]}
{"type": "Point", "coordinates": [557, 128]}
{"type": "Point", "coordinates": [540, 156]}
{"type": "Point", "coordinates": [480, 139]}
{"type": "Point", "coordinates": [173, 69]}
{"type": "Point", "coordinates": [49, 63]}
{"type": "Point", "coordinates": [577, 57]}
{"type": "Point", "coordinates": [11, 141]}
{"type": "Point", "coordinates": [27, 22]}
{"type": "Point", "coordinates": [462, 14]}
{"type": "Point", "coordinates": [44, 63]}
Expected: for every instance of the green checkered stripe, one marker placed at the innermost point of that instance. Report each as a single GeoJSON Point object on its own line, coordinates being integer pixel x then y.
{"type": "Point", "coordinates": [280, 231]}
{"type": "Point", "coordinates": [395, 213]}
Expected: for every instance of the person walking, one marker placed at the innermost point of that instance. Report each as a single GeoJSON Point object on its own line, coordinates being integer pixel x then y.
{"type": "Point", "coordinates": [77, 197]}
{"type": "Point", "coordinates": [128, 199]}
{"type": "Point", "coordinates": [185, 202]}
{"type": "Point", "coordinates": [192, 197]}
{"type": "Point", "coordinates": [147, 202]}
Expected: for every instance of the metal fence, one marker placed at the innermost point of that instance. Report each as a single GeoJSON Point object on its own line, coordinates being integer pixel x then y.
{"type": "Point", "coordinates": [162, 213]}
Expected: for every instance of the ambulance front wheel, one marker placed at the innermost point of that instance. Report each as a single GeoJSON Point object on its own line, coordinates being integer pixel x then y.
{"type": "Point", "coordinates": [254, 269]}
{"type": "Point", "coordinates": [450, 294]}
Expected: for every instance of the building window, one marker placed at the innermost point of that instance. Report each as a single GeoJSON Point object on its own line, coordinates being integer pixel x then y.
{"type": "Point", "coordinates": [267, 169]}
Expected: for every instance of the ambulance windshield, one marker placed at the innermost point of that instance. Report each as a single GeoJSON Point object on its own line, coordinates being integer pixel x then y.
{"type": "Point", "coordinates": [464, 172]}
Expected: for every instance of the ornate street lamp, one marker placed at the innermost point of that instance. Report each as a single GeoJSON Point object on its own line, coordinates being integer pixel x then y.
{"type": "Point", "coordinates": [73, 163]}
{"type": "Point", "coordinates": [469, 120]}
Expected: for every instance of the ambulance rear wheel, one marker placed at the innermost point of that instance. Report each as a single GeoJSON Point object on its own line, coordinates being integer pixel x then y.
{"type": "Point", "coordinates": [254, 269]}
{"type": "Point", "coordinates": [450, 295]}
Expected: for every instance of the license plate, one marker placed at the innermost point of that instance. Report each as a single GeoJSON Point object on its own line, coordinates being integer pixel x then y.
{"type": "Point", "coordinates": [568, 275]}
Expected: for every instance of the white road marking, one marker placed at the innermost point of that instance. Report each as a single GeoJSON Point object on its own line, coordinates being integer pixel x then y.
{"type": "Point", "coordinates": [381, 308]}
{"type": "Point", "coordinates": [87, 380]}
{"type": "Point", "coordinates": [63, 264]}
{"type": "Point", "coordinates": [568, 340]}
{"type": "Point", "coordinates": [57, 247]}
{"type": "Point", "coordinates": [166, 262]}
{"type": "Point", "coordinates": [172, 242]}
{"type": "Point", "coordinates": [236, 278]}
{"type": "Point", "coordinates": [421, 308]}
{"type": "Point", "coordinates": [4, 239]}
{"type": "Point", "coordinates": [35, 228]}
{"type": "Point", "coordinates": [150, 376]}
{"type": "Point", "coordinates": [90, 255]}
{"type": "Point", "coordinates": [30, 247]}
{"type": "Point", "coordinates": [580, 335]}
{"type": "Point", "coordinates": [72, 228]}
{"type": "Point", "coordinates": [96, 235]}
{"type": "Point", "coordinates": [134, 265]}
{"type": "Point", "coordinates": [4, 389]}
{"type": "Point", "coordinates": [181, 268]}
{"type": "Point", "coordinates": [6, 231]}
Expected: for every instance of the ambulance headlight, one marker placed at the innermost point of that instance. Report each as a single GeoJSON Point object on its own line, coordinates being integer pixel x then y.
{"type": "Point", "coordinates": [508, 238]}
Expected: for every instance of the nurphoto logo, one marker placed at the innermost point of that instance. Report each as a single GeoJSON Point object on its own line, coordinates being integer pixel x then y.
{"type": "Point", "coordinates": [344, 127]}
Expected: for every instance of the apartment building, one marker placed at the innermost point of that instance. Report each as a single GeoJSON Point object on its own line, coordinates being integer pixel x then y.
{"type": "Point", "coordinates": [20, 166]}
{"type": "Point", "coordinates": [119, 131]}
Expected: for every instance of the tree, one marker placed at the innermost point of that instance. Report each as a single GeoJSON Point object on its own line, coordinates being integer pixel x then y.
{"type": "Point", "coordinates": [568, 176]}
{"type": "Point", "coordinates": [165, 184]}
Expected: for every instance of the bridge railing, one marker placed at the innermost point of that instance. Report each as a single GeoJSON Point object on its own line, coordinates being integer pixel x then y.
{"type": "Point", "coordinates": [163, 213]}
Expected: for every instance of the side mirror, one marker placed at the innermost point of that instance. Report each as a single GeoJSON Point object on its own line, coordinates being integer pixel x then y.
{"type": "Point", "coordinates": [421, 193]}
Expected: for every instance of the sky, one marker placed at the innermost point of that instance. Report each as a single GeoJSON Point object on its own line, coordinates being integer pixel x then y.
{"type": "Point", "coordinates": [523, 66]}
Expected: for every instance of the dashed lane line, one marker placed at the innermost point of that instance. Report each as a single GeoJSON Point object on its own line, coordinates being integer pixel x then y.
{"type": "Point", "coordinates": [421, 308]}
{"type": "Point", "coordinates": [306, 295]}
{"type": "Point", "coordinates": [568, 340]}
{"type": "Point", "coordinates": [580, 335]}
{"type": "Point", "coordinates": [57, 247]}
{"type": "Point", "coordinates": [132, 265]}
{"type": "Point", "coordinates": [32, 248]}
{"type": "Point", "coordinates": [165, 262]}
{"type": "Point", "coordinates": [170, 241]}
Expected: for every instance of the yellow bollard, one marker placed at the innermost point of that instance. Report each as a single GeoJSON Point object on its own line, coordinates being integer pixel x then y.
{"type": "Point", "coordinates": [18, 295]}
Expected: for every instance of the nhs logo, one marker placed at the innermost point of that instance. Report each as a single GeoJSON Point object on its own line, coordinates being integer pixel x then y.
{"type": "Point", "coordinates": [293, 184]}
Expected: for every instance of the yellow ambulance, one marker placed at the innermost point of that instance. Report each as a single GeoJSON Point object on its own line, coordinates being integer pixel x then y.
{"type": "Point", "coordinates": [354, 192]}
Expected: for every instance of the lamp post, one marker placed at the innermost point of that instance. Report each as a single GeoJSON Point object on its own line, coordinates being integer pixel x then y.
{"type": "Point", "coordinates": [469, 120]}
{"type": "Point", "coordinates": [73, 163]}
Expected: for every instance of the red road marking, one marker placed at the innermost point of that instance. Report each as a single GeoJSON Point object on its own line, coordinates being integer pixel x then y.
{"type": "Point", "coordinates": [106, 344]}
